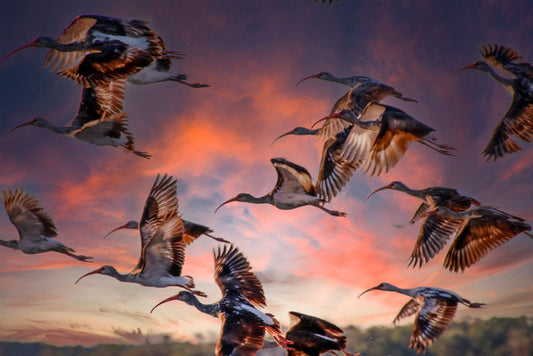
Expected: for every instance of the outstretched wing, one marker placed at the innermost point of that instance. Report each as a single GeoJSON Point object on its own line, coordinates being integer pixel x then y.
{"type": "Point", "coordinates": [292, 178]}
{"type": "Point", "coordinates": [482, 235]}
{"type": "Point", "coordinates": [28, 215]}
{"type": "Point", "coordinates": [432, 319]}
{"type": "Point", "coordinates": [410, 308]}
{"type": "Point", "coordinates": [234, 276]}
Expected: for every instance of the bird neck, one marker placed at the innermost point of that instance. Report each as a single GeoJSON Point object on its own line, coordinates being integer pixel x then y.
{"type": "Point", "coordinates": [348, 81]}
{"type": "Point", "coordinates": [62, 130]}
{"type": "Point", "coordinates": [10, 243]}
{"type": "Point", "coordinates": [412, 292]}
{"type": "Point", "coordinates": [305, 131]}
{"type": "Point", "coordinates": [64, 47]}
{"type": "Point", "coordinates": [265, 199]}
{"type": "Point", "coordinates": [418, 193]}
{"type": "Point", "coordinates": [211, 309]}
{"type": "Point", "coordinates": [504, 81]}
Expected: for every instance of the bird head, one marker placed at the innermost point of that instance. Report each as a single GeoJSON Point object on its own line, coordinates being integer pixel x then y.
{"type": "Point", "coordinates": [107, 270]}
{"type": "Point", "coordinates": [396, 185]}
{"type": "Point", "coordinates": [132, 224]}
{"type": "Point", "coordinates": [38, 42]}
{"type": "Point", "coordinates": [184, 296]}
{"type": "Point", "coordinates": [321, 75]}
{"type": "Point", "coordinates": [37, 121]}
{"type": "Point", "coordinates": [238, 197]}
{"type": "Point", "coordinates": [381, 286]}
{"type": "Point", "coordinates": [346, 115]}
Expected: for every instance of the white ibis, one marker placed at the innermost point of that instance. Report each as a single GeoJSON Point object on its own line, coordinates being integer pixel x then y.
{"type": "Point", "coordinates": [434, 307]}
{"type": "Point", "coordinates": [482, 229]}
{"type": "Point", "coordinates": [360, 88]}
{"type": "Point", "coordinates": [395, 132]}
{"type": "Point", "coordinates": [92, 123]}
{"type": "Point", "coordinates": [312, 336]}
{"type": "Point", "coordinates": [107, 48]}
{"type": "Point", "coordinates": [435, 229]}
{"type": "Point", "coordinates": [163, 249]}
{"type": "Point", "coordinates": [35, 227]}
{"type": "Point", "coordinates": [293, 189]}
{"type": "Point", "coordinates": [518, 119]}
{"type": "Point", "coordinates": [242, 324]}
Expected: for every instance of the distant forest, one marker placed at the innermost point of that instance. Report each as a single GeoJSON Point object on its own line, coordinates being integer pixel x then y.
{"type": "Point", "coordinates": [496, 336]}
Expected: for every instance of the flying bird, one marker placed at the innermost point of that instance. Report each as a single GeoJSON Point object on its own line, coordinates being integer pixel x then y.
{"type": "Point", "coordinates": [35, 227]}
{"type": "Point", "coordinates": [242, 324]}
{"type": "Point", "coordinates": [395, 131]}
{"type": "Point", "coordinates": [100, 120]}
{"type": "Point", "coordinates": [482, 229]}
{"type": "Point", "coordinates": [434, 308]}
{"type": "Point", "coordinates": [293, 189]}
{"type": "Point", "coordinates": [360, 87]}
{"type": "Point", "coordinates": [163, 248]}
{"type": "Point", "coordinates": [518, 119]}
{"type": "Point", "coordinates": [312, 336]}
{"type": "Point", "coordinates": [94, 49]}
{"type": "Point", "coordinates": [435, 229]}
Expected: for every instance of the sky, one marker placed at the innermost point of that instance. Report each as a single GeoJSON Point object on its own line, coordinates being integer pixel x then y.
{"type": "Point", "coordinates": [217, 142]}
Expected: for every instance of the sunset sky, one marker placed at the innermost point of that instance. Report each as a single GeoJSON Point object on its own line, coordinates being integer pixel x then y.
{"type": "Point", "coordinates": [217, 142]}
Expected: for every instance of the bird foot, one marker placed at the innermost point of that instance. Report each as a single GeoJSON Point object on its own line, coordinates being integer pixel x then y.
{"type": "Point", "coordinates": [85, 258]}
{"type": "Point", "coordinates": [476, 305]}
{"type": "Point", "coordinates": [198, 293]}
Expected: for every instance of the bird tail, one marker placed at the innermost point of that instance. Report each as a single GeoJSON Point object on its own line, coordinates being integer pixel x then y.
{"type": "Point", "coordinates": [400, 96]}
{"type": "Point", "coordinates": [129, 146]}
{"type": "Point", "coordinates": [275, 331]}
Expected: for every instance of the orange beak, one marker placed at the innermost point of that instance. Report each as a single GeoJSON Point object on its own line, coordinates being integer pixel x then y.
{"type": "Point", "coordinates": [29, 44]}
{"type": "Point", "coordinates": [29, 123]}
{"type": "Point", "coordinates": [125, 226]}
{"type": "Point", "coordinates": [169, 299]}
{"type": "Point", "coordinates": [388, 186]}
{"type": "Point", "coordinates": [226, 202]}
{"type": "Point", "coordinates": [88, 274]}
{"type": "Point", "coordinates": [309, 77]}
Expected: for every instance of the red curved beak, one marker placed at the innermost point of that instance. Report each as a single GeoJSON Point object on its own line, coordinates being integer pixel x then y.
{"type": "Point", "coordinates": [29, 44]}
{"type": "Point", "coordinates": [88, 274]}
{"type": "Point", "coordinates": [29, 123]}
{"type": "Point", "coordinates": [125, 226]}
{"type": "Point", "coordinates": [471, 66]}
{"type": "Point", "coordinates": [309, 77]}
{"type": "Point", "coordinates": [226, 202]}
{"type": "Point", "coordinates": [388, 186]}
{"type": "Point", "coordinates": [332, 116]}
{"type": "Point", "coordinates": [169, 299]}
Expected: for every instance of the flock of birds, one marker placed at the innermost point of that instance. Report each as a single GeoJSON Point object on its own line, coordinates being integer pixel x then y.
{"type": "Point", "coordinates": [103, 53]}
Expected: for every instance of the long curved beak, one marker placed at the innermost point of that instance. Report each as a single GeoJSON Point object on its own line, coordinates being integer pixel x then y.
{"type": "Point", "coordinates": [29, 44]}
{"type": "Point", "coordinates": [368, 290]}
{"type": "Point", "coordinates": [29, 123]}
{"type": "Point", "coordinates": [227, 201]}
{"type": "Point", "coordinates": [285, 134]}
{"type": "Point", "coordinates": [169, 299]}
{"type": "Point", "coordinates": [125, 226]}
{"type": "Point", "coordinates": [471, 66]}
{"type": "Point", "coordinates": [388, 186]}
{"type": "Point", "coordinates": [88, 274]}
{"type": "Point", "coordinates": [332, 116]}
{"type": "Point", "coordinates": [309, 77]}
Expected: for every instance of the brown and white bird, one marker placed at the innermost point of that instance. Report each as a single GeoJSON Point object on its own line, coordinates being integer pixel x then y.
{"type": "Point", "coordinates": [518, 119]}
{"type": "Point", "coordinates": [434, 307]}
{"type": "Point", "coordinates": [360, 86]}
{"type": "Point", "coordinates": [293, 189]}
{"type": "Point", "coordinates": [243, 326]}
{"type": "Point", "coordinates": [35, 227]}
{"type": "Point", "coordinates": [436, 229]}
{"type": "Point", "coordinates": [482, 229]}
{"type": "Point", "coordinates": [94, 49]}
{"type": "Point", "coordinates": [312, 336]}
{"type": "Point", "coordinates": [99, 121]}
{"type": "Point", "coordinates": [163, 248]}
{"type": "Point", "coordinates": [386, 136]}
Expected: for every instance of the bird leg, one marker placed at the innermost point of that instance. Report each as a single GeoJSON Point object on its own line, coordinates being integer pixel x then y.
{"type": "Point", "coordinates": [70, 252]}
{"type": "Point", "coordinates": [331, 212]}
{"type": "Point", "coordinates": [443, 149]}
{"type": "Point", "coordinates": [192, 85]}
{"type": "Point", "coordinates": [219, 239]}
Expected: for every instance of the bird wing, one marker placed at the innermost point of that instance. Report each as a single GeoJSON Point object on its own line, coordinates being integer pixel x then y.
{"type": "Point", "coordinates": [501, 57]}
{"type": "Point", "coordinates": [240, 336]}
{"type": "Point", "coordinates": [162, 199]}
{"type": "Point", "coordinates": [481, 235]}
{"type": "Point", "coordinates": [98, 132]}
{"type": "Point", "coordinates": [28, 215]}
{"type": "Point", "coordinates": [99, 101]}
{"type": "Point", "coordinates": [76, 31]}
{"type": "Point", "coordinates": [518, 121]}
{"type": "Point", "coordinates": [424, 207]}
{"type": "Point", "coordinates": [435, 231]}
{"type": "Point", "coordinates": [292, 178]}
{"type": "Point", "coordinates": [431, 321]}
{"type": "Point", "coordinates": [333, 126]}
{"type": "Point", "coordinates": [233, 275]}
{"type": "Point", "coordinates": [410, 308]}
{"type": "Point", "coordinates": [193, 231]}
{"type": "Point", "coordinates": [335, 171]}
{"type": "Point", "coordinates": [114, 60]}
{"type": "Point", "coordinates": [164, 252]}
{"type": "Point", "coordinates": [314, 323]}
